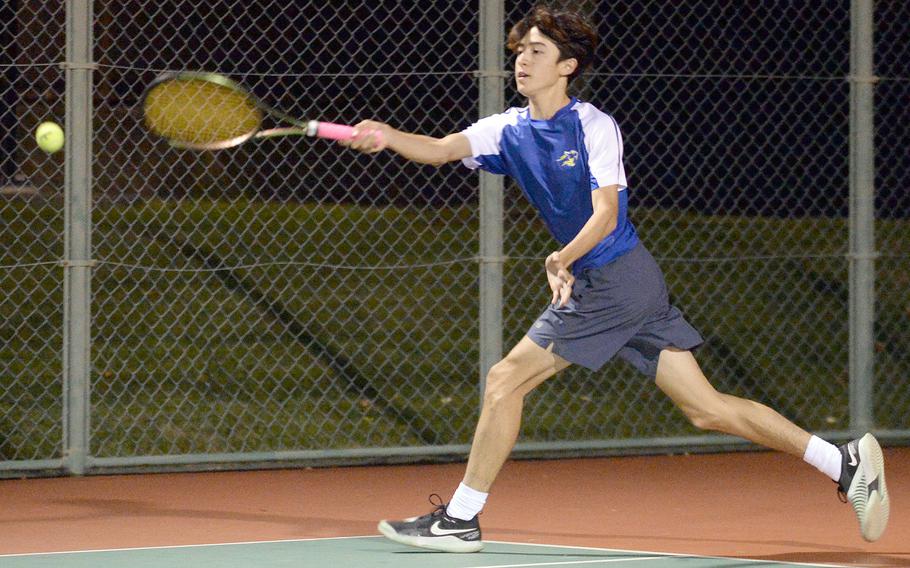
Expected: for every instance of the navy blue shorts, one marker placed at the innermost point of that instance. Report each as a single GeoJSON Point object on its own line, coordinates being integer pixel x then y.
{"type": "Point", "coordinates": [621, 308]}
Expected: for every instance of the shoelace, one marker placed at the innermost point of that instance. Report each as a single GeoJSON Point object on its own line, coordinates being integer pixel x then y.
{"type": "Point", "coordinates": [438, 503]}
{"type": "Point", "coordinates": [841, 494]}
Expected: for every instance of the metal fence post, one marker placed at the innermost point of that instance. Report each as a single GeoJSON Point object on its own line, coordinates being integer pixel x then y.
{"type": "Point", "coordinates": [77, 239]}
{"type": "Point", "coordinates": [862, 216]}
{"type": "Point", "coordinates": [491, 210]}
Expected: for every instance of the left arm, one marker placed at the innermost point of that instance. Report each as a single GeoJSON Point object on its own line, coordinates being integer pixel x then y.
{"type": "Point", "coordinates": [601, 223]}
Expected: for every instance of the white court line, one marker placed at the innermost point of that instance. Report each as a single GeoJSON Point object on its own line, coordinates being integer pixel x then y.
{"type": "Point", "coordinates": [568, 562]}
{"type": "Point", "coordinates": [251, 542]}
{"type": "Point", "coordinates": [128, 549]}
{"type": "Point", "coordinates": [674, 554]}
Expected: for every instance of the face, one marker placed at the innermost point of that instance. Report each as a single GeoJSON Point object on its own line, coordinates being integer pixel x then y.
{"type": "Point", "coordinates": [537, 66]}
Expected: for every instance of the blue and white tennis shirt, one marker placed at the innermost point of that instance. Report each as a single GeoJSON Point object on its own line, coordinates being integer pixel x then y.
{"type": "Point", "coordinates": [558, 163]}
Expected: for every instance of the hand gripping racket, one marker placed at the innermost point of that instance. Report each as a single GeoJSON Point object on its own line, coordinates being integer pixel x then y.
{"type": "Point", "coordinates": [208, 111]}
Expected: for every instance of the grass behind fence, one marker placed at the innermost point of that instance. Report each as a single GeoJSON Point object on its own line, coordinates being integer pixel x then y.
{"type": "Point", "coordinates": [190, 359]}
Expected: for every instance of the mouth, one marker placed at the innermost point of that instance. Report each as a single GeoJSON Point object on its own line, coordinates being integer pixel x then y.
{"type": "Point", "coordinates": [521, 75]}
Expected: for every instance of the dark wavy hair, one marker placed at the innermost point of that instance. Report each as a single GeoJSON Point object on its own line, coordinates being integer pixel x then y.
{"type": "Point", "coordinates": [570, 31]}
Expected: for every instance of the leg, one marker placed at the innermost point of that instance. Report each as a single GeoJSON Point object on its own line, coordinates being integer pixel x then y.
{"type": "Point", "coordinates": [862, 475]}
{"type": "Point", "coordinates": [523, 369]}
{"type": "Point", "coordinates": [680, 377]}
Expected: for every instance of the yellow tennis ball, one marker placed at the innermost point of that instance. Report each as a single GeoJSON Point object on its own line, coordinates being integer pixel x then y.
{"type": "Point", "coordinates": [49, 136]}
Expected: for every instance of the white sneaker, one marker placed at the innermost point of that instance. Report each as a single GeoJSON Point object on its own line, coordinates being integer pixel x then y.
{"type": "Point", "coordinates": [862, 482]}
{"type": "Point", "coordinates": [435, 531]}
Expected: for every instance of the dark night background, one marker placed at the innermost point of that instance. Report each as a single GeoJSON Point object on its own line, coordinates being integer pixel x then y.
{"type": "Point", "coordinates": [726, 107]}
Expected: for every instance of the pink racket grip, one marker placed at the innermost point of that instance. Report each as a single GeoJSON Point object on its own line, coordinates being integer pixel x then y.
{"type": "Point", "coordinates": [334, 131]}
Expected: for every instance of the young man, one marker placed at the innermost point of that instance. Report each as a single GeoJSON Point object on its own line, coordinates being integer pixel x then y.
{"type": "Point", "coordinates": [608, 295]}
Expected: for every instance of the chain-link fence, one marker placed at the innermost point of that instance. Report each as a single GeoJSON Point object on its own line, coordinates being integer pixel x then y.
{"type": "Point", "coordinates": [892, 181]}
{"type": "Point", "coordinates": [290, 301]}
{"type": "Point", "coordinates": [31, 236]}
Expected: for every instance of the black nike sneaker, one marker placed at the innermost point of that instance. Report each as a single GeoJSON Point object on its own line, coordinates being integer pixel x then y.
{"type": "Point", "coordinates": [435, 531]}
{"type": "Point", "coordinates": [862, 482]}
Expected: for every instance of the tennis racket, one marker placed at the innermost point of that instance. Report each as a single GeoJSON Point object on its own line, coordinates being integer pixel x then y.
{"type": "Point", "coordinates": [208, 111]}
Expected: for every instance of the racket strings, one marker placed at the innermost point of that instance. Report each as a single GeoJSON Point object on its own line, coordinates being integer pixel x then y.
{"type": "Point", "coordinates": [198, 112]}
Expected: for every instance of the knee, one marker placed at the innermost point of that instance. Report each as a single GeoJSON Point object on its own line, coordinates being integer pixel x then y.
{"type": "Point", "coordinates": [500, 385]}
{"type": "Point", "coordinates": [709, 415]}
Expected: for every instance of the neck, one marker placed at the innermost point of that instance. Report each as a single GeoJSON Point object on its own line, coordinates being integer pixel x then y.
{"type": "Point", "coordinates": [545, 104]}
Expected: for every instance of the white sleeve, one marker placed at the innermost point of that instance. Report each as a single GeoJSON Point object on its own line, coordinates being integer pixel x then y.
{"type": "Point", "coordinates": [603, 142]}
{"type": "Point", "coordinates": [485, 136]}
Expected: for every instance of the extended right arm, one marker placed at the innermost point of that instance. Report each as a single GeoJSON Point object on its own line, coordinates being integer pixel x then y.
{"type": "Point", "coordinates": [415, 147]}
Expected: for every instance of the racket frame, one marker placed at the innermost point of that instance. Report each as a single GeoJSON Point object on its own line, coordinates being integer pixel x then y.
{"type": "Point", "coordinates": [310, 128]}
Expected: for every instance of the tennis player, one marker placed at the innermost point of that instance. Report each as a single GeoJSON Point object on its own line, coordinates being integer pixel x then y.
{"type": "Point", "coordinates": [609, 298]}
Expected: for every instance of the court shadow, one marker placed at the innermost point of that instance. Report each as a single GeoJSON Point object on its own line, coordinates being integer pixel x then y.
{"type": "Point", "coordinates": [567, 557]}
{"type": "Point", "coordinates": [868, 559]}
{"type": "Point", "coordinates": [815, 553]}
{"type": "Point", "coordinates": [811, 547]}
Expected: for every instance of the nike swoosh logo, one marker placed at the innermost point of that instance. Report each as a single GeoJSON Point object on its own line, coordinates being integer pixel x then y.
{"type": "Point", "coordinates": [435, 530]}
{"type": "Point", "coordinates": [853, 461]}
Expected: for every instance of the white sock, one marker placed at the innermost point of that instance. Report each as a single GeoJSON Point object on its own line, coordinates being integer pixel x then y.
{"type": "Point", "coordinates": [824, 456]}
{"type": "Point", "coordinates": [466, 503]}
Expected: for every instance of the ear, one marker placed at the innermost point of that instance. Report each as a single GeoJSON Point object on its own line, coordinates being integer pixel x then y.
{"type": "Point", "coordinates": [568, 66]}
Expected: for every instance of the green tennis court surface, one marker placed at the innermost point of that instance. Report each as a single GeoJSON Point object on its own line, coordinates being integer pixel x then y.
{"type": "Point", "coordinates": [365, 552]}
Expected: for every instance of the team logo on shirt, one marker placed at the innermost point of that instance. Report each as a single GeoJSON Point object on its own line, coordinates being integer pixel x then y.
{"type": "Point", "coordinates": [567, 160]}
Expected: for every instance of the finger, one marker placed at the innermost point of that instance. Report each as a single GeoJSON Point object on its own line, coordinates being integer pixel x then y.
{"type": "Point", "coordinates": [379, 140]}
{"type": "Point", "coordinates": [565, 292]}
{"type": "Point", "coordinates": [353, 141]}
{"type": "Point", "coordinates": [564, 297]}
{"type": "Point", "coordinates": [367, 139]}
{"type": "Point", "coordinates": [360, 140]}
{"type": "Point", "coordinates": [371, 141]}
